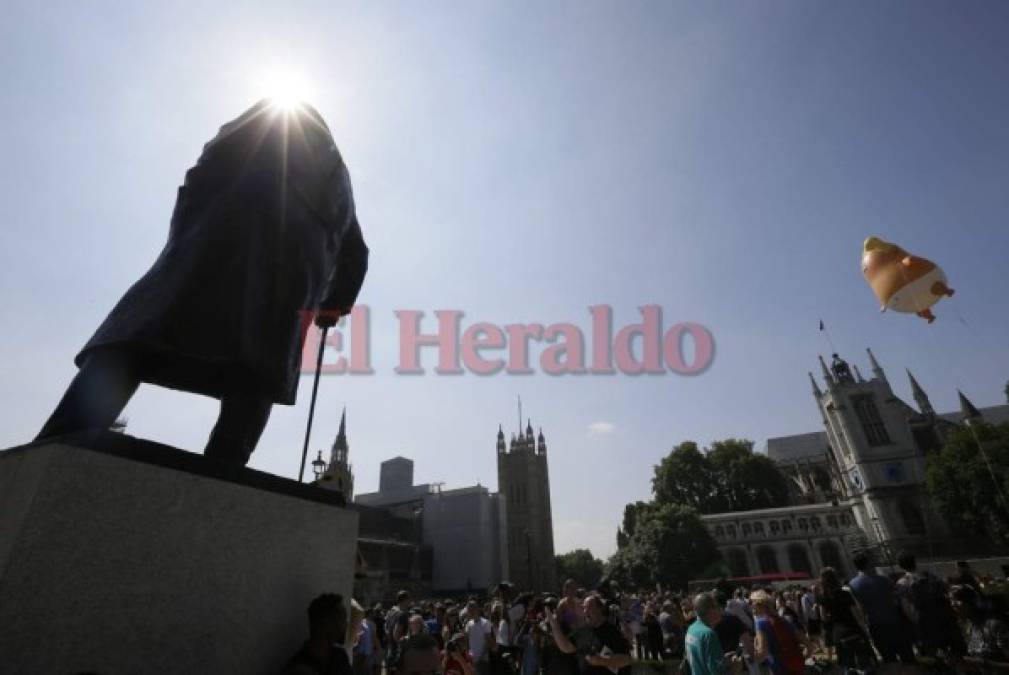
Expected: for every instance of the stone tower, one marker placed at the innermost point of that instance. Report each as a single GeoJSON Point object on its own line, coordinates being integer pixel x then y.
{"type": "Point", "coordinates": [524, 484]}
{"type": "Point", "coordinates": [339, 475]}
{"type": "Point", "coordinates": [877, 456]}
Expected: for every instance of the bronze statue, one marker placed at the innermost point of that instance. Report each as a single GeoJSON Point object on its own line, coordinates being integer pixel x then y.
{"type": "Point", "coordinates": [263, 234]}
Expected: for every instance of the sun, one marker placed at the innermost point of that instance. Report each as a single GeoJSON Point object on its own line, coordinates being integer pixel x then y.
{"type": "Point", "coordinates": [286, 90]}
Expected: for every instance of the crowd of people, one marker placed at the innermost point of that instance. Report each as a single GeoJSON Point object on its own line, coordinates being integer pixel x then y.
{"type": "Point", "coordinates": [903, 622]}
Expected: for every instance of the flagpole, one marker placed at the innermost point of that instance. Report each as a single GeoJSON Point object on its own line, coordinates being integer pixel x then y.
{"type": "Point", "coordinates": [826, 334]}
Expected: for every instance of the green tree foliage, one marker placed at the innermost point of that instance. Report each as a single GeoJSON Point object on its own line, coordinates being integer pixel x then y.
{"type": "Point", "coordinates": [961, 486]}
{"type": "Point", "coordinates": [581, 566]}
{"type": "Point", "coordinates": [728, 477]}
{"type": "Point", "coordinates": [669, 544]}
{"type": "Point", "coordinates": [632, 512]}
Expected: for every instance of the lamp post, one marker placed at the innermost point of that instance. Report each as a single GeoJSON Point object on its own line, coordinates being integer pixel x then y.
{"type": "Point", "coordinates": [318, 466]}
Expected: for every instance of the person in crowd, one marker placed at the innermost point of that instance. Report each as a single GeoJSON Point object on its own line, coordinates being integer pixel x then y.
{"type": "Point", "coordinates": [323, 653]}
{"type": "Point", "coordinates": [734, 635]}
{"type": "Point", "coordinates": [740, 608]}
{"type": "Point", "coordinates": [415, 625]}
{"type": "Point", "coordinates": [457, 660]}
{"type": "Point", "coordinates": [704, 650]}
{"type": "Point", "coordinates": [480, 636]}
{"type": "Point", "coordinates": [653, 633]}
{"type": "Point", "coordinates": [528, 639]}
{"type": "Point", "coordinates": [420, 654]}
{"type": "Point", "coordinates": [924, 599]}
{"type": "Point", "coordinates": [986, 636]}
{"type": "Point", "coordinates": [776, 642]}
{"type": "Point", "coordinates": [395, 630]}
{"type": "Point", "coordinates": [600, 646]}
{"type": "Point", "coordinates": [842, 621]}
{"type": "Point", "coordinates": [555, 661]}
{"type": "Point", "coordinates": [569, 609]}
{"type": "Point", "coordinates": [810, 615]}
{"type": "Point", "coordinates": [500, 655]}
{"type": "Point", "coordinates": [452, 626]}
{"type": "Point", "coordinates": [433, 622]}
{"type": "Point", "coordinates": [887, 625]}
{"type": "Point", "coordinates": [364, 648]}
{"type": "Point", "coordinates": [673, 625]}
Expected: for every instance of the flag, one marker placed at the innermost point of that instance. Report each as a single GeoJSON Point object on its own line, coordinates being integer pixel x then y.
{"type": "Point", "coordinates": [821, 324]}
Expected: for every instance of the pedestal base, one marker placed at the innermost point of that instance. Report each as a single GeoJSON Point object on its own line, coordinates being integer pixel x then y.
{"type": "Point", "coordinates": [124, 556]}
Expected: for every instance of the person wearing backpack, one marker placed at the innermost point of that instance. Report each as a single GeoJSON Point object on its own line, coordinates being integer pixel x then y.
{"type": "Point", "coordinates": [925, 602]}
{"type": "Point", "coordinates": [777, 642]}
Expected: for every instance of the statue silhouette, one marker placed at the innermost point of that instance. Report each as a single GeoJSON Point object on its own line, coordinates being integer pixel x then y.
{"type": "Point", "coordinates": [264, 236]}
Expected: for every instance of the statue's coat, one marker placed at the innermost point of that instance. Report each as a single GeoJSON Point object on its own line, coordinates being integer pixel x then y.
{"type": "Point", "coordinates": [263, 235]}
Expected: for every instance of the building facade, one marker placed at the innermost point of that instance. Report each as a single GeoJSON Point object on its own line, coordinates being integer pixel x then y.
{"type": "Point", "coordinates": [856, 486]}
{"type": "Point", "coordinates": [524, 484]}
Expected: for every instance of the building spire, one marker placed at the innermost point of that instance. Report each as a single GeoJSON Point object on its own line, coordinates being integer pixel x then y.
{"type": "Point", "coordinates": [816, 388]}
{"type": "Point", "coordinates": [826, 372]}
{"type": "Point", "coordinates": [876, 370]}
{"type": "Point", "coordinates": [858, 374]}
{"type": "Point", "coordinates": [967, 409]}
{"type": "Point", "coordinates": [338, 453]}
{"type": "Point", "coordinates": [920, 397]}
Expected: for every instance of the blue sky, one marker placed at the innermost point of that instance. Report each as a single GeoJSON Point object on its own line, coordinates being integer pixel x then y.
{"type": "Point", "coordinates": [522, 161]}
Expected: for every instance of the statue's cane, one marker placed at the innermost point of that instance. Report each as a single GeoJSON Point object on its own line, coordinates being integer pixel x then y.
{"type": "Point", "coordinates": [311, 409]}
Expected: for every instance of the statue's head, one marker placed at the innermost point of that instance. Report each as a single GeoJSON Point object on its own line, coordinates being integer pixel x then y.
{"type": "Point", "coordinates": [296, 131]}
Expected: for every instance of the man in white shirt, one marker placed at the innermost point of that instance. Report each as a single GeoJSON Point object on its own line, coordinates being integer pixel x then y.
{"type": "Point", "coordinates": [481, 638]}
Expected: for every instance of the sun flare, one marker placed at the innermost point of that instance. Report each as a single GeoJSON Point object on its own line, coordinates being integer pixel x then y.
{"type": "Point", "coordinates": [285, 89]}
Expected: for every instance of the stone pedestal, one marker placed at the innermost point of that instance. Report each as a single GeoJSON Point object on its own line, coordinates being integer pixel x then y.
{"type": "Point", "coordinates": [124, 556]}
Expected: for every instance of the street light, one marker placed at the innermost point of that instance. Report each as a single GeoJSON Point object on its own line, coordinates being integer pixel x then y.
{"type": "Point", "coordinates": [318, 466]}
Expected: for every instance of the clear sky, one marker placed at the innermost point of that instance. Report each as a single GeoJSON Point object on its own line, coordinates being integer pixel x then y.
{"type": "Point", "coordinates": [521, 161]}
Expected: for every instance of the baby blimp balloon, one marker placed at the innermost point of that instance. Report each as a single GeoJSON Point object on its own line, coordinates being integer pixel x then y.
{"type": "Point", "coordinates": [903, 282]}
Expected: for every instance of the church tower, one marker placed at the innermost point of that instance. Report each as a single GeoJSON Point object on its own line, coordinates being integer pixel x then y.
{"type": "Point", "coordinates": [883, 468]}
{"type": "Point", "coordinates": [524, 484]}
{"type": "Point", "coordinates": [338, 474]}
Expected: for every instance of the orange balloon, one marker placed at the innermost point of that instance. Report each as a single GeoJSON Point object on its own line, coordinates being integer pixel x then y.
{"type": "Point", "coordinates": [901, 281]}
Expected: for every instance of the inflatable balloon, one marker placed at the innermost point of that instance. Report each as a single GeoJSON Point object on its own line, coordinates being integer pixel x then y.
{"type": "Point", "coordinates": [903, 282]}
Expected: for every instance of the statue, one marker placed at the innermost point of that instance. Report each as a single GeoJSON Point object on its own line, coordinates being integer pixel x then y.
{"type": "Point", "coordinates": [263, 235]}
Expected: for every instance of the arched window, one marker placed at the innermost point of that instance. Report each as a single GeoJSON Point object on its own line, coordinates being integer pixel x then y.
{"type": "Point", "coordinates": [786, 526]}
{"type": "Point", "coordinates": [739, 566]}
{"type": "Point", "coordinates": [746, 529]}
{"type": "Point", "coordinates": [719, 531]}
{"type": "Point", "coordinates": [768, 560]}
{"type": "Point", "coordinates": [773, 525]}
{"type": "Point", "coordinates": [814, 522]}
{"type": "Point", "coordinates": [758, 529]}
{"type": "Point", "coordinates": [731, 531]}
{"type": "Point", "coordinates": [914, 523]}
{"type": "Point", "coordinates": [832, 522]}
{"type": "Point", "coordinates": [798, 559]}
{"type": "Point", "coordinates": [831, 556]}
{"type": "Point", "coordinates": [803, 525]}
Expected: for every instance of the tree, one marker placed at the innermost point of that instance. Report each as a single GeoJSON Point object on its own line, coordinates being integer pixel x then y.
{"type": "Point", "coordinates": [961, 485]}
{"type": "Point", "coordinates": [746, 480]}
{"type": "Point", "coordinates": [581, 566]}
{"type": "Point", "coordinates": [727, 477]}
{"type": "Point", "coordinates": [685, 476]}
{"type": "Point", "coordinates": [632, 513]}
{"type": "Point", "coordinates": [669, 545]}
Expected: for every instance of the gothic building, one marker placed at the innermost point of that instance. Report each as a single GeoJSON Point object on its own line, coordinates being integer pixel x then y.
{"type": "Point", "coordinates": [524, 483]}
{"type": "Point", "coordinates": [338, 474]}
{"type": "Point", "coordinates": [858, 485]}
